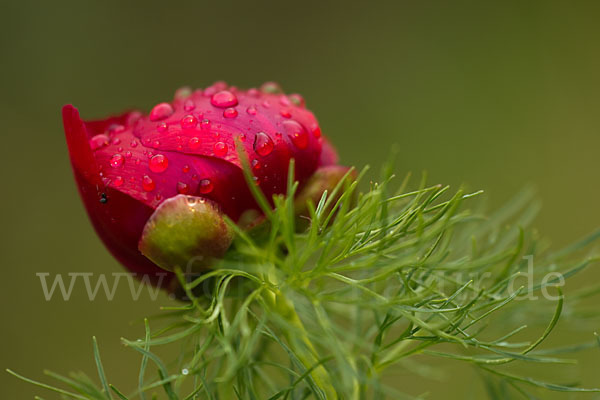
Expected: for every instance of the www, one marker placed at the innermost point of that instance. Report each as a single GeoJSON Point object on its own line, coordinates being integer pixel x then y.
{"type": "Point", "coordinates": [135, 286]}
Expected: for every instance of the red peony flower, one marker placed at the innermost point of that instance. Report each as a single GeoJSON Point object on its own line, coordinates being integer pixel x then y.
{"type": "Point", "coordinates": [127, 166]}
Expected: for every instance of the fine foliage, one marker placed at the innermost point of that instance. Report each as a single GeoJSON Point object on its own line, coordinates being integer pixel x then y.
{"type": "Point", "coordinates": [373, 281]}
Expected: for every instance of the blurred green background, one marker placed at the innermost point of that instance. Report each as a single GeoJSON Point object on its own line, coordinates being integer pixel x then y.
{"type": "Point", "coordinates": [495, 95]}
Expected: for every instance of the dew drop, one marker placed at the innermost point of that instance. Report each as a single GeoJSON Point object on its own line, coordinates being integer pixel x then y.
{"type": "Point", "coordinates": [220, 149]}
{"type": "Point", "coordinates": [209, 91]}
{"type": "Point", "coordinates": [99, 141]}
{"type": "Point", "coordinates": [297, 99]}
{"type": "Point", "coordinates": [183, 188]}
{"type": "Point", "coordinates": [159, 163]}
{"type": "Point", "coordinates": [230, 113]}
{"type": "Point", "coordinates": [118, 181]}
{"type": "Point", "coordinates": [162, 127]}
{"type": "Point", "coordinates": [189, 122]}
{"type": "Point", "coordinates": [251, 110]}
{"type": "Point", "coordinates": [186, 169]}
{"type": "Point", "coordinates": [263, 144]}
{"type": "Point", "coordinates": [266, 104]}
{"type": "Point", "coordinates": [224, 99]}
{"type": "Point", "coordinates": [156, 144]}
{"type": "Point", "coordinates": [116, 141]}
{"type": "Point", "coordinates": [316, 130]}
{"type": "Point", "coordinates": [285, 113]}
{"type": "Point", "coordinates": [284, 101]}
{"type": "Point", "coordinates": [205, 124]}
{"type": "Point", "coordinates": [205, 186]}
{"type": "Point", "coordinates": [161, 111]}
{"type": "Point", "coordinates": [194, 143]}
{"type": "Point", "coordinates": [115, 129]}
{"type": "Point", "coordinates": [185, 371]}
{"type": "Point", "coordinates": [133, 117]}
{"type": "Point", "coordinates": [255, 165]}
{"type": "Point", "coordinates": [116, 160]}
{"type": "Point", "coordinates": [189, 105]}
{"type": "Point", "coordinates": [297, 133]}
{"type": "Point", "coordinates": [148, 184]}
{"type": "Point", "coordinates": [271, 88]}
{"type": "Point", "coordinates": [183, 92]}
{"type": "Point", "coordinates": [133, 143]}
{"type": "Point", "coordinates": [128, 154]}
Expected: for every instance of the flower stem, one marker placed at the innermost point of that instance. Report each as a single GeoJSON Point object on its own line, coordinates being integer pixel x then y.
{"type": "Point", "coordinates": [300, 343]}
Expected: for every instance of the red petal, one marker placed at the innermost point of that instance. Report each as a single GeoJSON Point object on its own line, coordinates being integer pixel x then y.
{"type": "Point", "coordinates": [215, 135]}
{"type": "Point", "coordinates": [119, 222]}
{"type": "Point", "coordinates": [328, 154]}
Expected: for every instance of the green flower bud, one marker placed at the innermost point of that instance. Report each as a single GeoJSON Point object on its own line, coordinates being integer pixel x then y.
{"type": "Point", "coordinates": [186, 232]}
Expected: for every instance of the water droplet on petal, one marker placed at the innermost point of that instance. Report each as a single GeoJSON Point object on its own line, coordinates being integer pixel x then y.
{"type": "Point", "coordinates": [255, 165]}
{"type": "Point", "coordinates": [183, 92]}
{"type": "Point", "coordinates": [297, 99]}
{"type": "Point", "coordinates": [133, 117]}
{"type": "Point", "coordinates": [253, 92]}
{"type": "Point", "coordinates": [285, 101]}
{"type": "Point", "coordinates": [251, 110]}
{"type": "Point", "coordinates": [266, 104]}
{"type": "Point", "coordinates": [194, 143]}
{"type": "Point", "coordinates": [116, 141]}
{"type": "Point", "coordinates": [205, 124]}
{"type": "Point", "coordinates": [189, 105]}
{"type": "Point", "coordinates": [316, 130]}
{"type": "Point", "coordinates": [183, 188]}
{"type": "Point", "coordinates": [161, 111]}
{"type": "Point", "coordinates": [156, 144]}
{"type": "Point", "coordinates": [148, 184]}
{"type": "Point", "coordinates": [209, 91]}
{"type": "Point", "coordinates": [118, 181]}
{"type": "Point", "coordinates": [271, 88]}
{"type": "Point", "coordinates": [297, 133]}
{"type": "Point", "coordinates": [189, 122]}
{"type": "Point", "coordinates": [117, 160]}
{"type": "Point", "coordinates": [224, 99]}
{"type": "Point", "coordinates": [186, 169]}
{"type": "Point", "coordinates": [263, 144]}
{"type": "Point", "coordinates": [99, 141]}
{"type": "Point", "coordinates": [220, 149]}
{"type": "Point", "coordinates": [128, 154]}
{"type": "Point", "coordinates": [230, 113]}
{"type": "Point", "coordinates": [159, 163]}
{"type": "Point", "coordinates": [115, 129]}
{"type": "Point", "coordinates": [205, 186]}
{"type": "Point", "coordinates": [133, 143]}
{"type": "Point", "coordinates": [285, 113]}
{"type": "Point", "coordinates": [162, 127]}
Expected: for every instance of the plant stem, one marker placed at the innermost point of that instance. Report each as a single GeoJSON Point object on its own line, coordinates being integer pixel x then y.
{"type": "Point", "coordinates": [300, 343]}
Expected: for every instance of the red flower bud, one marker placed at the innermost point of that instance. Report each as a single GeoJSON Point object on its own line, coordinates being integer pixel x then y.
{"type": "Point", "coordinates": [126, 166]}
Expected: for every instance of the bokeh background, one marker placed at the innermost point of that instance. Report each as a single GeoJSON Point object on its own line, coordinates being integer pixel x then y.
{"type": "Point", "coordinates": [492, 94]}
